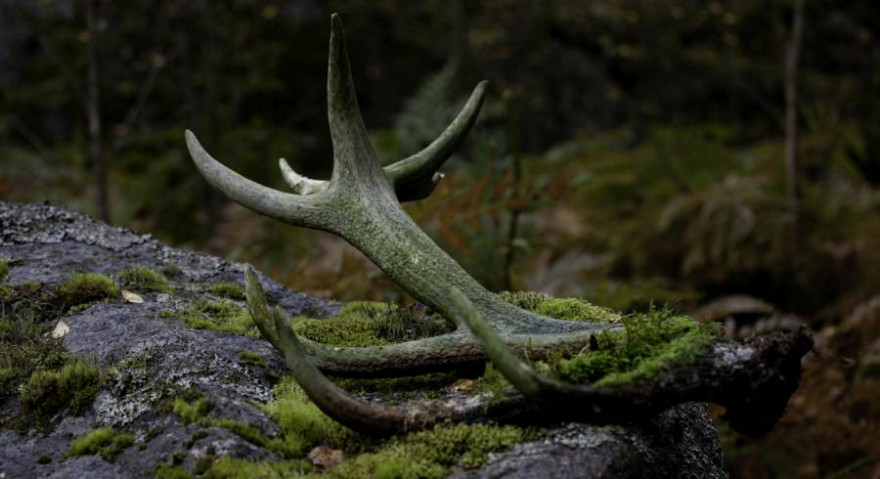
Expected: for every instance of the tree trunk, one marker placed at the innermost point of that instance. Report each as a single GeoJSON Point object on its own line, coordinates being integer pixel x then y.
{"type": "Point", "coordinates": [93, 112]}
{"type": "Point", "coordinates": [792, 55]}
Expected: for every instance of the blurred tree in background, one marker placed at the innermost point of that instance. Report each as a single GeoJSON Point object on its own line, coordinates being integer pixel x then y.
{"type": "Point", "coordinates": [630, 151]}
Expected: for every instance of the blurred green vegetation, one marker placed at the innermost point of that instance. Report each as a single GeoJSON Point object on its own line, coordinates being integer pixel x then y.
{"type": "Point", "coordinates": [630, 152]}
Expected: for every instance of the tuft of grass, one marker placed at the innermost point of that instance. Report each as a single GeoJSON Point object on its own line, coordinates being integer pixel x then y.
{"type": "Point", "coordinates": [194, 412]}
{"type": "Point", "coordinates": [24, 348]}
{"type": "Point", "coordinates": [252, 358]}
{"type": "Point", "coordinates": [104, 442]}
{"type": "Point", "coordinates": [85, 288]}
{"type": "Point", "coordinates": [649, 343]}
{"type": "Point", "coordinates": [73, 387]}
{"type": "Point", "coordinates": [143, 279]}
{"type": "Point", "coordinates": [228, 291]}
{"type": "Point", "coordinates": [225, 316]}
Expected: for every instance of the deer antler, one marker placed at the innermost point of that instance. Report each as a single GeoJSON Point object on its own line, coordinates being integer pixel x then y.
{"type": "Point", "coordinates": [361, 203]}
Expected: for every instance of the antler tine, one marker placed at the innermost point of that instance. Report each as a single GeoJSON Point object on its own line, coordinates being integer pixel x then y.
{"type": "Point", "coordinates": [298, 183]}
{"type": "Point", "coordinates": [354, 159]}
{"type": "Point", "coordinates": [297, 210]}
{"type": "Point", "coordinates": [415, 177]}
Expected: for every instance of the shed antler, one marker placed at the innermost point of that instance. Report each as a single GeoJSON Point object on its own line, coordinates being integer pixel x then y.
{"type": "Point", "coordinates": [362, 204]}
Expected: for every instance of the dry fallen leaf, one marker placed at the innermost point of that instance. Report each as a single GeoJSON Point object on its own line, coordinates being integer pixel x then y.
{"type": "Point", "coordinates": [326, 457]}
{"type": "Point", "coordinates": [130, 297]}
{"type": "Point", "coordinates": [462, 385]}
{"type": "Point", "coordinates": [61, 328]}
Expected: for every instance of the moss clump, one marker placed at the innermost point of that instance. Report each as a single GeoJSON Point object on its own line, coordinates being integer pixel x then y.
{"type": "Point", "coordinates": [569, 309]}
{"type": "Point", "coordinates": [252, 358]}
{"type": "Point", "coordinates": [104, 442]}
{"type": "Point", "coordinates": [575, 309]}
{"type": "Point", "coordinates": [25, 346]}
{"type": "Point", "coordinates": [225, 316]}
{"type": "Point", "coordinates": [143, 279]}
{"type": "Point", "coordinates": [649, 343]}
{"type": "Point", "coordinates": [73, 387]}
{"type": "Point", "coordinates": [304, 425]}
{"type": "Point", "coordinates": [4, 269]}
{"type": "Point", "coordinates": [340, 331]}
{"type": "Point", "coordinates": [430, 454]}
{"type": "Point", "coordinates": [364, 323]}
{"type": "Point", "coordinates": [194, 412]}
{"type": "Point", "coordinates": [232, 468]}
{"type": "Point", "coordinates": [364, 308]}
{"type": "Point", "coordinates": [228, 291]}
{"type": "Point", "coordinates": [528, 300]}
{"type": "Point", "coordinates": [166, 471]}
{"type": "Point", "coordinates": [86, 287]}
{"type": "Point", "coordinates": [171, 270]}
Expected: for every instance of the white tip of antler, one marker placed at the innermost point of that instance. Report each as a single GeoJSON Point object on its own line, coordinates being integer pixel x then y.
{"type": "Point", "coordinates": [299, 183]}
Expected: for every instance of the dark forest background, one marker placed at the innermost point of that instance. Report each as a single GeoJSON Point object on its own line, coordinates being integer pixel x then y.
{"type": "Point", "coordinates": [722, 157]}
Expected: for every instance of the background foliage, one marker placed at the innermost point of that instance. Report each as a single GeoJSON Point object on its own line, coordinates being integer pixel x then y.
{"type": "Point", "coordinates": [630, 151]}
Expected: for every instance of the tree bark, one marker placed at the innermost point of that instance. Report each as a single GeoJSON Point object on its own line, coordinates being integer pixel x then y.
{"type": "Point", "coordinates": [792, 56]}
{"type": "Point", "coordinates": [93, 112]}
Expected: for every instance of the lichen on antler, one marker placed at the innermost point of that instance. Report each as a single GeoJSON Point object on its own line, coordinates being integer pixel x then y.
{"type": "Point", "coordinates": [361, 203]}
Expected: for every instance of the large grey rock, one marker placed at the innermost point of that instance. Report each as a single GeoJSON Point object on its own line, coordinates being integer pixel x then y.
{"type": "Point", "coordinates": [152, 358]}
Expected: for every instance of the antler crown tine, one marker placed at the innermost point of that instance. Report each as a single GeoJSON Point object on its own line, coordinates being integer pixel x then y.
{"type": "Point", "coordinates": [354, 158]}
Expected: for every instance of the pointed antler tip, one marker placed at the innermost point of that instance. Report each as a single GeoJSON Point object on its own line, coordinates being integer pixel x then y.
{"type": "Point", "coordinates": [335, 23]}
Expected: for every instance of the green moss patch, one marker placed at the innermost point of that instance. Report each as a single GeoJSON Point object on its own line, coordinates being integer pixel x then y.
{"type": "Point", "coordinates": [227, 290]}
{"type": "Point", "coordinates": [252, 358]}
{"type": "Point", "coordinates": [4, 269]}
{"type": "Point", "coordinates": [86, 288]}
{"type": "Point", "coordinates": [104, 442]}
{"type": "Point", "coordinates": [73, 388]}
{"type": "Point", "coordinates": [431, 453]}
{"type": "Point", "coordinates": [225, 316]}
{"type": "Point", "coordinates": [569, 309]}
{"type": "Point", "coordinates": [649, 343]}
{"type": "Point", "coordinates": [143, 280]}
{"type": "Point", "coordinates": [362, 323]}
{"type": "Point", "coordinates": [339, 331]}
{"type": "Point", "coordinates": [427, 454]}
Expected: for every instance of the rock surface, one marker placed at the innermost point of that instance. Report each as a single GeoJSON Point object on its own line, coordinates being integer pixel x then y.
{"type": "Point", "coordinates": [146, 357]}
